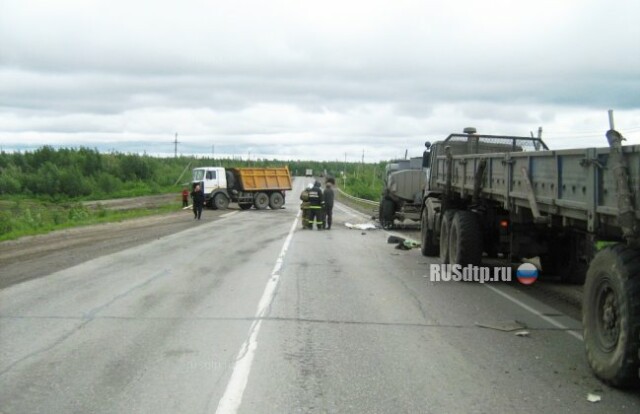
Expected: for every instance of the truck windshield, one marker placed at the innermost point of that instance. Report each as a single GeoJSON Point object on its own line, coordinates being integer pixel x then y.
{"type": "Point", "coordinates": [198, 175]}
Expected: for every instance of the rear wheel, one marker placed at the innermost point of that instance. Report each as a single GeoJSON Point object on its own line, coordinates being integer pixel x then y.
{"type": "Point", "coordinates": [387, 213]}
{"type": "Point", "coordinates": [427, 246]}
{"type": "Point", "coordinates": [276, 201]}
{"type": "Point", "coordinates": [245, 206]}
{"type": "Point", "coordinates": [261, 201]}
{"type": "Point", "coordinates": [611, 315]}
{"type": "Point", "coordinates": [220, 201]}
{"type": "Point", "coordinates": [465, 239]}
{"type": "Point", "coordinates": [445, 228]}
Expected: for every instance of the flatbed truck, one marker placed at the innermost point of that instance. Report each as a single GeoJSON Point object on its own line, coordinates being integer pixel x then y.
{"type": "Point", "coordinates": [575, 209]}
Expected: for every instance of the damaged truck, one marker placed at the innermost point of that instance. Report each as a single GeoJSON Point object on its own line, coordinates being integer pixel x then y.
{"type": "Point", "coordinates": [401, 197]}
{"type": "Point", "coordinates": [575, 209]}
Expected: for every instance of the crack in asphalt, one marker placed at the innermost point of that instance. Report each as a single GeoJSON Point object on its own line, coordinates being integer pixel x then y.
{"type": "Point", "coordinates": [275, 319]}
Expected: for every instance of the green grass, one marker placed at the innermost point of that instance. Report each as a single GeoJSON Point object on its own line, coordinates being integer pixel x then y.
{"type": "Point", "coordinates": [30, 217]}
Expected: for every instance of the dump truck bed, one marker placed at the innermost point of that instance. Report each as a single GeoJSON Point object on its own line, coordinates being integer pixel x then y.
{"type": "Point", "coordinates": [574, 183]}
{"type": "Point", "coordinates": [263, 179]}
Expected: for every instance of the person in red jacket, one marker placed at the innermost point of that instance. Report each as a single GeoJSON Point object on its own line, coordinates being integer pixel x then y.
{"type": "Point", "coordinates": [185, 197]}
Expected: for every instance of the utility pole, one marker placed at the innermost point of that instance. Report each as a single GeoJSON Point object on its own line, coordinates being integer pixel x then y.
{"type": "Point", "coordinates": [175, 146]}
{"type": "Point", "coordinates": [213, 151]}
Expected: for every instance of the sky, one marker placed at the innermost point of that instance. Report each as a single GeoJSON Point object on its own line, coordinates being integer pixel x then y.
{"type": "Point", "coordinates": [322, 80]}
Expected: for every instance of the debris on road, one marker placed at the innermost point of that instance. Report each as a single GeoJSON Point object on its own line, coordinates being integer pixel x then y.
{"type": "Point", "coordinates": [402, 243]}
{"type": "Point", "coordinates": [408, 244]}
{"type": "Point", "coordinates": [522, 333]}
{"type": "Point", "coordinates": [594, 398]}
{"type": "Point", "coordinates": [361, 226]}
{"type": "Point", "coordinates": [506, 326]}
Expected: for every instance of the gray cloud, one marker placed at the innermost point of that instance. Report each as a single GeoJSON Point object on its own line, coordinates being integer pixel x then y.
{"type": "Point", "coordinates": [297, 75]}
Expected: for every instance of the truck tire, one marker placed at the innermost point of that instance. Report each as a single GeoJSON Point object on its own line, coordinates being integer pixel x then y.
{"type": "Point", "coordinates": [427, 246]}
{"type": "Point", "coordinates": [245, 206]}
{"type": "Point", "coordinates": [387, 213]}
{"type": "Point", "coordinates": [220, 201]}
{"type": "Point", "coordinates": [210, 204]}
{"type": "Point", "coordinates": [465, 239]}
{"type": "Point", "coordinates": [445, 228]}
{"type": "Point", "coordinates": [261, 201]}
{"type": "Point", "coordinates": [276, 201]}
{"type": "Point", "coordinates": [611, 315]}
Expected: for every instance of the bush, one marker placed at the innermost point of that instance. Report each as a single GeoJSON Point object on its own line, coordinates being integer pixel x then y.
{"type": "Point", "coordinates": [78, 212]}
{"type": "Point", "coordinates": [6, 223]}
{"type": "Point", "coordinates": [9, 184]}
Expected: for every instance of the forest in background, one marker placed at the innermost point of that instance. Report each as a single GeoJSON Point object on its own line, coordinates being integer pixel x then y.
{"type": "Point", "coordinates": [65, 174]}
{"type": "Point", "coordinates": [43, 190]}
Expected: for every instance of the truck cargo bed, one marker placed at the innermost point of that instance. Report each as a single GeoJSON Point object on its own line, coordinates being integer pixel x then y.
{"type": "Point", "coordinates": [263, 179]}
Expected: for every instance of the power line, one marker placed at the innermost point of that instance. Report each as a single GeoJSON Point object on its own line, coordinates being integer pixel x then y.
{"type": "Point", "coordinates": [175, 146]}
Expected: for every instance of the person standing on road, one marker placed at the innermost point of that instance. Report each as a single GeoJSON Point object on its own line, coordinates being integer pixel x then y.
{"type": "Point", "coordinates": [198, 202]}
{"type": "Point", "coordinates": [185, 197]}
{"type": "Point", "coordinates": [304, 206]}
{"type": "Point", "coordinates": [328, 204]}
{"type": "Point", "coordinates": [316, 201]}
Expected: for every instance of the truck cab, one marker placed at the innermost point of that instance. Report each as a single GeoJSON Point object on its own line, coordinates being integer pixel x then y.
{"type": "Point", "coordinates": [210, 180]}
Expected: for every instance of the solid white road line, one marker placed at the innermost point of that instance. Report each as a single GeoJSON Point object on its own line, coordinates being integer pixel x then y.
{"type": "Point", "coordinates": [232, 398]}
{"type": "Point", "coordinates": [229, 214]}
{"type": "Point", "coordinates": [535, 312]}
{"type": "Point", "coordinates": [349, 211]}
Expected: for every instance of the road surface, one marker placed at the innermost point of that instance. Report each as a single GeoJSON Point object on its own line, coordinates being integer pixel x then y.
{"type": "Point", "coordinates": [246, 312]}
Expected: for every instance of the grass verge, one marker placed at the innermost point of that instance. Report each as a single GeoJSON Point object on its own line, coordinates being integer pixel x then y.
{"type": "Point", "coordinates": [30, 217]}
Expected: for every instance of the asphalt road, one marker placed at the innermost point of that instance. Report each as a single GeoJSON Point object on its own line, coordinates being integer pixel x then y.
{"type": "Point", "coordinates": [246, 312]}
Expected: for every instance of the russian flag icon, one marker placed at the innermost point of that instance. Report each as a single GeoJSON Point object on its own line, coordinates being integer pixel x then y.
{"type": "Point", "coordinates": [527, 273]}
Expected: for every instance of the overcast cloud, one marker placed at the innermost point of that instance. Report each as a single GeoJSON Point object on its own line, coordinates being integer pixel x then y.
{"type": "Point", "coordinates": [314, 80]}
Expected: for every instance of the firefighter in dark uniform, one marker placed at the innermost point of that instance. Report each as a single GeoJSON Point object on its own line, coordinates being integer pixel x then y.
{"type": "Point", "coordinates": [316, 206]}
{"type": "Point", "coordinates": [304, 206]}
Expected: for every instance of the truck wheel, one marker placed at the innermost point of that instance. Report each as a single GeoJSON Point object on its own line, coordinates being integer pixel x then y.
{"type": "Point", "coordinates": [427, 246]}
{"type": "Point", "coordinates": [387, 213]}
{"type": "Point", "coordinates": [261, 201]}
{"type": "Point", "coordinates": [276, 201]}
{"type": "Point", "coordinates": [445, 228]}
{"type": "Point", "coordinates": [465, 239]}
{"type": "Point", "coordinates": [611, 315]}
{"type": "Point", "coordinates": [220, 201]}
{"type": "Point", "coordinates": [245, 206]}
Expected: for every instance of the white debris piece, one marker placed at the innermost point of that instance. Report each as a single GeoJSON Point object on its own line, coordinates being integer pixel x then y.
{"type": "Point", "coordinates": [594, 398]}
{"type": "Point", "coordinates": [361, 226]}
{"type": "Point", "coordinates": [502, 325]}
{"type": "Point", "coordinates": [522, 333]}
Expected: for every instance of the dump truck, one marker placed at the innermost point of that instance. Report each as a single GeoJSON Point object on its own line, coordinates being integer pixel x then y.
{"type": "Point", "coordinates": [257, 187]}
{"type": "Point", "coordinates": [401, 197]}
{"type": "Point", "coordinates": [575, 209]}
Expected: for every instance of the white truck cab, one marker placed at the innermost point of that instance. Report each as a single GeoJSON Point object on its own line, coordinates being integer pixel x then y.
{"type": "Point", "coordinates": [210, 178]}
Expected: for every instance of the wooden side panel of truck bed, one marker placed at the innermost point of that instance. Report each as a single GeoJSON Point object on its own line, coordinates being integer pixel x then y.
{"type": "Point", "coordinates": [263, 179]}
{"type": "Point", "coordinates": [574, 183]}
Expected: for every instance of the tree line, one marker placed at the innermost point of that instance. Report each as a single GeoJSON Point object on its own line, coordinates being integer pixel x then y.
{"type": "Point", "coordinates": [78, 173]}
